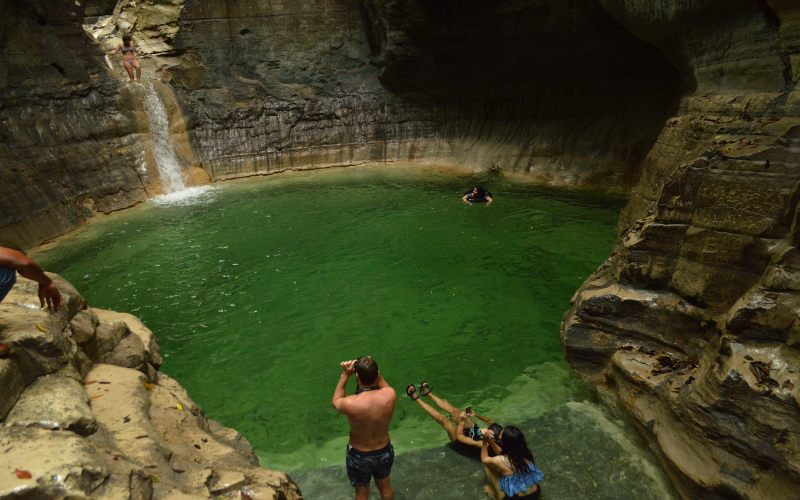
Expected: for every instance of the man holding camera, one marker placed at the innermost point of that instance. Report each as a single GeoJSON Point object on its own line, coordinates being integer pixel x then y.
{"type": "Point", "coordinates": [369, 411]}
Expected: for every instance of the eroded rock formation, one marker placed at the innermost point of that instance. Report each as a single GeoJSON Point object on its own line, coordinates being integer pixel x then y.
{"type": "Point", "coordinates": [86, 414]}
{"type": "Point", "coordinates": [261, 87]}
{"type": "Point", "coordinates": [692, 106]}
{"type": "Point", "coordinates": [692, 324]}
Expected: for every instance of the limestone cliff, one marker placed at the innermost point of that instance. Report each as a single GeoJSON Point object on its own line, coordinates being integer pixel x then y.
{"type": "Point", "coordinates": [86, 414]}
{"type": "Point", "coordinates": [692, 324]}
{"type": "Point", "coordinates": [557, 91]}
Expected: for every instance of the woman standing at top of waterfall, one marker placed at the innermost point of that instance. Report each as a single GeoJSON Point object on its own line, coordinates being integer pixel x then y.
{"type": "Point", "coordinates": [129, 60]}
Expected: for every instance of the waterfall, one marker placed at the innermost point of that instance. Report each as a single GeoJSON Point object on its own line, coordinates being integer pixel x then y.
{"type": "Point", "coordinates": [168, 167]}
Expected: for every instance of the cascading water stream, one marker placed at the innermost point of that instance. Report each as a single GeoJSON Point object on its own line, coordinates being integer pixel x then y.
{"type": "Point", "coordinates": [168, 167]}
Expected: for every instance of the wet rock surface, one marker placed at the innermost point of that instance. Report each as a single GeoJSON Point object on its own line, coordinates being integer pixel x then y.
{"type": "Point", "coordinates": [691, 322]}
{"type": "Point", "coordinates": [606, 462]}
{"type": "Point", "coordinates": [77, 425]}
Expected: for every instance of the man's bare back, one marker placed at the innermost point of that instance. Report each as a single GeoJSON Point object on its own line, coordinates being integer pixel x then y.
{"type": "Point", "coordinates": [369, 412]}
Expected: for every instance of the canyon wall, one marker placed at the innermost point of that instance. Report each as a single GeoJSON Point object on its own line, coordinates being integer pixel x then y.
{"type": "Point", "coordinates": [556, 91]}
{"type": "Point", "coordinates": [692, 323]}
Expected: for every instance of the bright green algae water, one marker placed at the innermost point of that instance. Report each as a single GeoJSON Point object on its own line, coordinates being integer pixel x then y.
{"type": "Point", "coordinates": [256, 290]}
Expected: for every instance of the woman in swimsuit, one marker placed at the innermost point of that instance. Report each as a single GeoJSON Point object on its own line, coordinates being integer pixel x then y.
{"type": "Point", "coordinates": [458, 424]}
{"type": "Point", "coordinates": [512, 473]}
{"type": "Point", "coordinates": [129, 60]}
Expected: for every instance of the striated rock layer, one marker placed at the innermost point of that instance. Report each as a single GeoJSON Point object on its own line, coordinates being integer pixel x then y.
{"type": "Point", "coordinates": [557, 91]}
{"type": "Point", "coordinates": [86, 414]}
{"type": "Point", "coordinates": [692, 323]}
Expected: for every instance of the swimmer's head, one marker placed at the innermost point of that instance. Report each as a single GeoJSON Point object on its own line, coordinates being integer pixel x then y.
{"type": "Point", "coordinates": [479, 191]}
{"type": "Point", "coordinates": [366, 370]}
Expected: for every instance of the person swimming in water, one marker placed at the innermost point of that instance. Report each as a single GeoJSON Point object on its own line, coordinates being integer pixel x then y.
{"type": "Point", "coordinates": [459, 425]}
{"type": "Point", "coordinates": [477, 195]}
{"type": "Point", "coordinates": [129, 60]}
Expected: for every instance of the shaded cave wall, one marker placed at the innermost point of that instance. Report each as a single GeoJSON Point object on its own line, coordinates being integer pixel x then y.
{"type": "Point", "coordinates": [692, 323]}
{"type": "Point", "coordinates": [553, 90]}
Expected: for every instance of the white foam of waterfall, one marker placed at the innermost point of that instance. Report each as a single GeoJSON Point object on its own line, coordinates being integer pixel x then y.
{"type": "Point", "coordinates": [168, 167]}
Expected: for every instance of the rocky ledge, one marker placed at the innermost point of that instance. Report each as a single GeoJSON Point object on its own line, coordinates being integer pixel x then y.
{"type": "Point", "coordinates": [85, 413]}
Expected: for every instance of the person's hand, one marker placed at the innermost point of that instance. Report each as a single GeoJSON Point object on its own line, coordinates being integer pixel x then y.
{"type": "Point", "coordinates": [462, 415]}
{"type": "Point", "coordinates": [50, 296]}
{"type": "Point", "coordinates": [348, 367]}
{"type": "Point", "coordinates": [488, 434]}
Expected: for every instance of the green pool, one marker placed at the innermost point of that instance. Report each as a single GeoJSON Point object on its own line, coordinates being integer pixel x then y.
{"type": "Point", "coordinates": [257, 289]}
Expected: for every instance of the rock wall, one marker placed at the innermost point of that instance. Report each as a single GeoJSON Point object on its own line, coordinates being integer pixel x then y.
{"type": "Point", "coordinates": [86, 414]}
{"type": "Point", "coordinates": [553, 90]}
{"type": "Point", "coordinates": [69, 144]}
{"type": "Point", "coordinates": [692, 323]}
{"type": "Point", "coordinates": [278, 85]}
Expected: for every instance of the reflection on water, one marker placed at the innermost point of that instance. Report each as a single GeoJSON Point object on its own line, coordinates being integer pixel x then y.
{"type": "Point", "coordinates": [258, 289]}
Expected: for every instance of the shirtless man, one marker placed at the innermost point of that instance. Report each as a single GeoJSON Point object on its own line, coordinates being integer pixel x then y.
{"type": "Point", "coordinates": [14, 261]}
{"type": "Point", "coordinates": [369, 411]}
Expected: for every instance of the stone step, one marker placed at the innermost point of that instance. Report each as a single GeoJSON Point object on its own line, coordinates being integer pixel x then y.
{"type": "Point", "coordinates": [55, 401]}
{"type": "Point", "coordinates": [39, 463]}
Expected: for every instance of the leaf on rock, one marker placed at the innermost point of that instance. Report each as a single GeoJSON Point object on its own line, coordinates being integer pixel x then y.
{"type": "Point", "coordinates": [179, 407]}
{"type": "Point", "coordinates": [40, 327]}
{"type": "Point", "coordinates": [148, 386]}
{"type": "Point", "coordinates": [23, 474]}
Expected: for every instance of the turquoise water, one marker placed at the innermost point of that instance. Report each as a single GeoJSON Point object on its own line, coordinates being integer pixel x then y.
{"type": "Point", "coordinates": [257, 289]}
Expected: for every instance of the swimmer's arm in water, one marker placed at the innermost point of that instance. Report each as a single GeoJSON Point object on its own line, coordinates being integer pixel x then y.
{"type": "Point", "coordinates": [464, 199]}
{"type": "Point", "coordinates": [489, 200]}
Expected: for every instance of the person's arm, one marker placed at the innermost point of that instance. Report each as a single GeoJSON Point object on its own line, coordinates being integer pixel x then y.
{"type": "Point", "coordinates": [48, 293]}
{"type": "Point", "coordinates": [339, 400]}
{"type": "Point", "coordinates": [465, 199]}
{"type": "Point", "coordinates": [115, 50]}
{"type": "Point", "coordinates": [460, 437]}
{"type": "Point", "coordinates": [495, 447]}
{"type": "Point", "coordinates": [485, 458]}
{"type": "Point", "coordinates": [489, 200]}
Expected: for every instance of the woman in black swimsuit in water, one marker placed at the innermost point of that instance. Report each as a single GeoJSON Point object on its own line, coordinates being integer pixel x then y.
{"type": "Point", "coordinates": [129, 60]}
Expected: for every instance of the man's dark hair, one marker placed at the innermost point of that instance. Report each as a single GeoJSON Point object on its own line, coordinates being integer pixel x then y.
{"type": "Point", "coordinates": [367, 370]}
{"type": "Point", "coordinates": [481, 192]}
